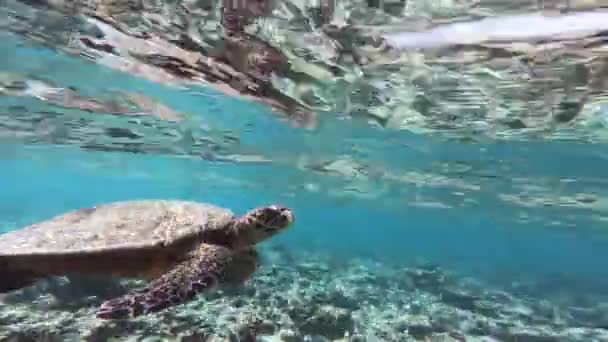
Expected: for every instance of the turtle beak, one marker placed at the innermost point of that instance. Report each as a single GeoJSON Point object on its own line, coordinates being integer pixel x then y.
{"type": "Point", "coordinates": [285, 217]}
{"type": "Point", "coordinates": [273, 218]}
{"type": "Point", "coordinates": [288, 215]}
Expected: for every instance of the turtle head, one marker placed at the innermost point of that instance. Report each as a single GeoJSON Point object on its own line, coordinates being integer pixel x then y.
{"type": "Point", "coordinates": [261, 223]}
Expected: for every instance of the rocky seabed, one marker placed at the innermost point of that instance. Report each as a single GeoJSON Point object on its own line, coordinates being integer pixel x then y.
{"type": "Point", "coordinates": [315, 299]}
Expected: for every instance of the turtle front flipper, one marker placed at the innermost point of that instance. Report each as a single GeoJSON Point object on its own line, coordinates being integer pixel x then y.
{"type": "Point", "coordinates": [206, 267]}
{"type": "Point", "coordinates": [16, 280]}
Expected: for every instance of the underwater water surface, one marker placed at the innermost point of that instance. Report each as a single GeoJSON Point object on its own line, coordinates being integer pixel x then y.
{"type": "Point", "coordinates": [399, 235]}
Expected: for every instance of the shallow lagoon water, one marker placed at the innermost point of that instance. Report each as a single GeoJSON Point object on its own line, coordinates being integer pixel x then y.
{"type": "Point", "coordinates": [46, 181]}
{"type": "Point", "coordinates": [377, 212]}
{"type": "Point", "coordinates": [479, 242]}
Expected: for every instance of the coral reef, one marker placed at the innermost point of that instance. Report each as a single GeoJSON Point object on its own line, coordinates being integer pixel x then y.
{"type": "Point", "coordinates": [313, 299]}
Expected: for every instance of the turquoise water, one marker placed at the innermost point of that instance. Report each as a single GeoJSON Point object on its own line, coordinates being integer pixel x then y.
{"type": "Point", "coordinates": [44, 181]}
{"type": "Point", "coordinates": [499, 212]}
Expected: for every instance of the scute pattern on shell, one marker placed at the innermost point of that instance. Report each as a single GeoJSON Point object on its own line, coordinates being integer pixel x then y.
{"type": "Point", "coordinates": [116, 225]}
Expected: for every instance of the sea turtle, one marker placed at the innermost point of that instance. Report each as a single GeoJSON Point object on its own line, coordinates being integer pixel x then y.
{"type": "Point", "coordinates": [182, 248]}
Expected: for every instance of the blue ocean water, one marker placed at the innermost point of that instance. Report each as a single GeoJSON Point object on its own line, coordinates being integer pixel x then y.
{"type": "Point", "coordinates": [44, 181]}
{"type": "Point", "coordinates": [412, 198]}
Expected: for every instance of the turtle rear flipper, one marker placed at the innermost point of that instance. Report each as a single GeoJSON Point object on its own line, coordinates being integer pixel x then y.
{"type": "Point", "coordinates": [207, 267]}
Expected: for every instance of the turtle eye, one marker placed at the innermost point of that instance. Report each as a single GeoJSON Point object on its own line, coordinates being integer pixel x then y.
{"type": "Point", "coordinates": [263, 217]}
